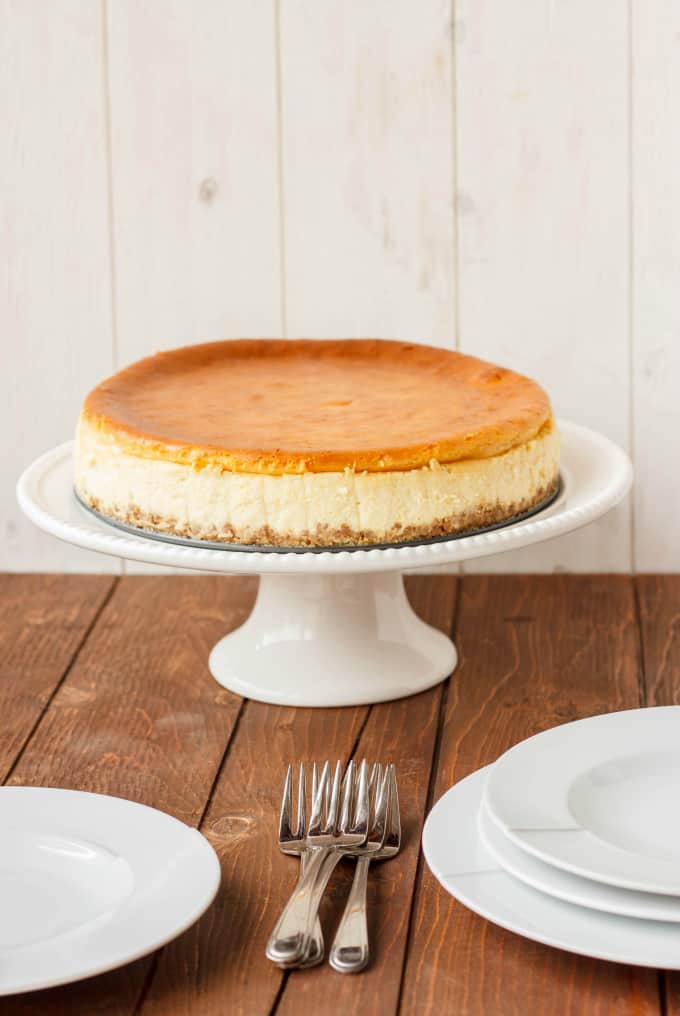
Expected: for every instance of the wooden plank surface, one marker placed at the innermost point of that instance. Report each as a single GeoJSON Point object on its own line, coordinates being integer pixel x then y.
{"type": "Point", "coordinates": [44, 621]}
{"type": "Point", "coordinates": [139, 716]}
{"type": "Point", "coordinates": [659, 606]}
{"type": "Point", "coordinates": [135, 712]}
{"type": "Point", "coordinates": [535, 652]}
{"type": "Point", "coordinates": [223, 969]}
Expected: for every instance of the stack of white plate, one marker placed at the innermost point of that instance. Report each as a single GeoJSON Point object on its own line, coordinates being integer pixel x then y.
{"type": "Point", "coordinates": [572, 838]}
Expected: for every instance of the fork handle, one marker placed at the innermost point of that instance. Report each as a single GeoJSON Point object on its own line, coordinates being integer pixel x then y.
{"type": "Point", "coordinates": [289, 941]}
{"type": "Point", "coordinates": [315, 950]}
{"type": "Point", "coordinates": [349, 954]}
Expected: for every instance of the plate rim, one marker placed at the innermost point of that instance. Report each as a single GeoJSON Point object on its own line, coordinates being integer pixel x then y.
{"type": "Point", "coordinates": [604, 853]}
{"type": "Point", "coordinates": [84, 966]}
{"type": "Point", "coordinates": [495, 849]}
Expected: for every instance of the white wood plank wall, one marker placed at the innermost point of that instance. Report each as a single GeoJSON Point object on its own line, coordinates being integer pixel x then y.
{"type": "Point", "coordinates": [500, 178]}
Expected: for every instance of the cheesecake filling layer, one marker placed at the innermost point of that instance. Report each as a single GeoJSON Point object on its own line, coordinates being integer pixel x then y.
{"type": "Point", "coordinates": [312, 509]}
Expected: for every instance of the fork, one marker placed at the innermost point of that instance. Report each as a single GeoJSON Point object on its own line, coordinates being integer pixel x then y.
{"type": "Point", "coordinates": [350, 951]}
{"type": "Point", "coordinates": [294, 842]}
{"type": "Point", "coordinates": [337, 825]}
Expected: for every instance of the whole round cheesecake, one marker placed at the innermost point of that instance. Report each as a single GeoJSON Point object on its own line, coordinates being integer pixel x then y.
{"type": "Point", "coordinates": [315, 443]}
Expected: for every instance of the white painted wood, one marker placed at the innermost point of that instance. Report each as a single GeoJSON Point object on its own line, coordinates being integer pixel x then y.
{"type": "Point", "coordinates": [540, 160]}
{"type": "Point", "coordinates": [195, 173]}
{"type": "Point", "coordinates": [656, 282]}
{"type": "Point", "coordinates": [543, 198]}
{"type": "Point", "coordinates": [55, 299]}
{"type": "Point", "coordinates": [368, 169]}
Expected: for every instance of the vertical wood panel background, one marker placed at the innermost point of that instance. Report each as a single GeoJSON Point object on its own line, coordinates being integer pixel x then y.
{"type": "Point", "coordinates": [367, 169]}
{"type": "Point", "coordinates": [543, 192]}
{"type": "Point", "coordinates": [504, 179]}
{"type": "Point", "coordinates": [56, 337]}
{"type": "Point", "coordinates": [655, 292]}
{"type": "Point", "coordinates": [194, 165]}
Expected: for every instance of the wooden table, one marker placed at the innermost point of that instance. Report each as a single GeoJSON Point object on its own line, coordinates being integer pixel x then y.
{"type": "Point", "coordinates": [104, 687]}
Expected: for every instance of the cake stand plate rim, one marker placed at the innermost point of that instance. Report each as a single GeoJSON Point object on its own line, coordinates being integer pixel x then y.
{"type": "Point", "coordinates": [596, 473]}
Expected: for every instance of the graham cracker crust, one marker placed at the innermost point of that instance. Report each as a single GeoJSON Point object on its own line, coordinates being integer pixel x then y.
{"type": "Point", "coordinates": [323, 535]}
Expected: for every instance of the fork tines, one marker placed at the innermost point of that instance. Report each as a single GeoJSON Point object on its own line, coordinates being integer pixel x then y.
{"type": "Point", "coordinates": [348, 801]}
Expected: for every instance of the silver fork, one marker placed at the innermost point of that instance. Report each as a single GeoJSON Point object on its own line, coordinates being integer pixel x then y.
{"type": "Point", "coordinates": [350, 950]}
{"type": "Point", "coordinates": [337, 825]}
{"type": "Point", "coordinates": [293, 841]}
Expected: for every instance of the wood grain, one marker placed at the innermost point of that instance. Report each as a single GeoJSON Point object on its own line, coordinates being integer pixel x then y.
{"type": "Point", "coordinates": [43, 622]}
{"type": "Point", "coordinates": [140, 711]}
{"type": "Point", "coordinates": [535, 652]}
{"type": "Point", "coordinates": [659, 604]}
{"type": "Point", "coordinates": [220, 966]}
{"type": "Point", "coordinates": [139, 716]}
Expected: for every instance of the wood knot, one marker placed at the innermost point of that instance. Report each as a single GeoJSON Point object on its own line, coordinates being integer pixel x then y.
{"type": "Point", "coordinates": [70, 695]}
{"type": "Point", "coordinates": [208, 190]}
{"type": "Point", "coordinates": [231, 827]}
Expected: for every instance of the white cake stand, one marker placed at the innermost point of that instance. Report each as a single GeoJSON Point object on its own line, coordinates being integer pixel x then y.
{"type": "Point", "coordinates": [333, 628]}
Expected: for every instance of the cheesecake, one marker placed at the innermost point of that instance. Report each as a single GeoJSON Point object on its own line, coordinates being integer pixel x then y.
{"type": "Point", "coordinates": [312, 443]}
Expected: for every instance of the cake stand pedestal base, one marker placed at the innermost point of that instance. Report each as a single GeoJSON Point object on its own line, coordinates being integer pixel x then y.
{"type": "Point", "coordinates": [332, 640]}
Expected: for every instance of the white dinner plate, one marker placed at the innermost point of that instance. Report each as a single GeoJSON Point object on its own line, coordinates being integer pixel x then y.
{"type": "Point", "coordinates": [89, 882]}
{"type": "Point", "coordinates": [572, 888]}
{"type": "Point", "coordinates": [461, 863]}
{"type": "Point", "coordinates": [597, 797]}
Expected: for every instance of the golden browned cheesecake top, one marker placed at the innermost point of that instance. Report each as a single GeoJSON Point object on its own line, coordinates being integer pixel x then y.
{"type": "Point", "coordinates": [305, 405]}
